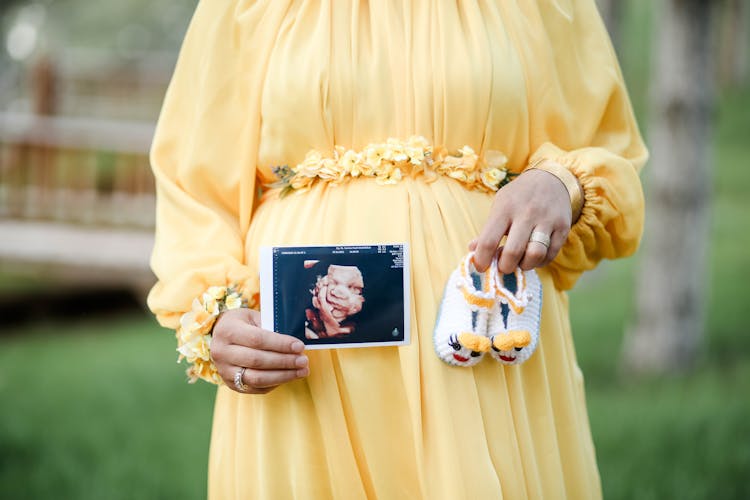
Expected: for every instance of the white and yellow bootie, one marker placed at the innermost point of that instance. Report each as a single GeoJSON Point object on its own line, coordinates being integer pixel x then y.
{"type": "Point", "coordinates": [460, 336]}
{"type": "Point", "coordinates": [513, 324]}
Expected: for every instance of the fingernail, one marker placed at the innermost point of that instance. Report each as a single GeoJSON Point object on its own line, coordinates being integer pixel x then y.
{"type": "Point", "coordinates": [301, 361]}
{"type": "Point", "coordinates": [298, 346]}
{"type": "Point", "coordinates": [303, 372]}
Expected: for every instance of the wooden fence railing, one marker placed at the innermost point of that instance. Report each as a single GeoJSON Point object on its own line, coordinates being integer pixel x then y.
{"type": "Point", "coordinates": [75, 170]}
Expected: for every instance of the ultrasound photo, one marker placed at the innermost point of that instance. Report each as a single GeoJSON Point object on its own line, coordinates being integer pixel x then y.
{"type": "Point", "coordinates": [337, 296]}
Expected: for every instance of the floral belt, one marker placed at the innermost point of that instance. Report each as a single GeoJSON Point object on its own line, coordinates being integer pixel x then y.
{"type": "Point", "coordinates": [389, 162]}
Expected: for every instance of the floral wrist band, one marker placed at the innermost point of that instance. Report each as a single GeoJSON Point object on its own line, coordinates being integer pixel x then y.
{"type": "Point", "coordinates": [195, 331]}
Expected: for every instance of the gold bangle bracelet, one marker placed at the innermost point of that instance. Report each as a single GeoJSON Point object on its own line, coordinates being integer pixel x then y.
{"type": "Point", "coordinates": [569, 180]}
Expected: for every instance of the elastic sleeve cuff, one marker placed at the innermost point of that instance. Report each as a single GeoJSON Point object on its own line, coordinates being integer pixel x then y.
{"type": "Point", "coordinates": [611, 221]}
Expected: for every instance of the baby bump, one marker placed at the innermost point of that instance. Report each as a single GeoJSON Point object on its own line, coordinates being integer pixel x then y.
{"type": "Point", "coordinates": [436, 218]}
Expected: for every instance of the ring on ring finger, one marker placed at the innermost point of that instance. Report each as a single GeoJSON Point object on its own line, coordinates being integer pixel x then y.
{"type": "Point", "coordinates": [540, 237]}
{"type": "Point", "coordinates": [238, 382]}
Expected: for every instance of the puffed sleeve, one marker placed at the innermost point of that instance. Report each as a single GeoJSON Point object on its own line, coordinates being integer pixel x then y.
{"type": "Point", "coordinates": [581, 117]}
{"type": "Point", "coordinates": [203, 159]}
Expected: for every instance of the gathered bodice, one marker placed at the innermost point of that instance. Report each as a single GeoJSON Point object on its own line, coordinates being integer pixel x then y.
{"type": "Point", "coordinates": [355, 73]}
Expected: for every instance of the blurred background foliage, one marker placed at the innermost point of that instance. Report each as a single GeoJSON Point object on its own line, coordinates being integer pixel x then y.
{"type": "Point", "coordinates": [93, 404]}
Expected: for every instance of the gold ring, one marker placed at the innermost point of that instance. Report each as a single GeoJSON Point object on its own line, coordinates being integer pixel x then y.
{"type": "Point", "coordinates": [540, 237]}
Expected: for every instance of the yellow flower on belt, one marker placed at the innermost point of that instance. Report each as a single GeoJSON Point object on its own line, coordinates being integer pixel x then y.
{"type": "Point", "coordinates": [389, 162]}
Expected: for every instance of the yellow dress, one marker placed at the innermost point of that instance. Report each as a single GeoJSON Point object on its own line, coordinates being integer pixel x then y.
{"type": "Point", "coordinates": [259, 84]}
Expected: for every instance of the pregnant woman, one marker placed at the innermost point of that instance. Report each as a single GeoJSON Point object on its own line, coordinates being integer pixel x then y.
{"type": "Point", "coordinates": [296, 122]}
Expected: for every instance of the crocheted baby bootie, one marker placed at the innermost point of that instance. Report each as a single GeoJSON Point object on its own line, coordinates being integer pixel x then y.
{"type": "Point", "coordinates": [513, 324]}
{"type": "Point", "coordinates": [460, 335]}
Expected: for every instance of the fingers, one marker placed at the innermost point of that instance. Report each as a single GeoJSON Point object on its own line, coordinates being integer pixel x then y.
{"type": "Point", "coordinates": [534, 257]}
{"type": "Point", "coordinates": [557, 240]}
{"type": "Point", "coordinates": [536, 252]}
{"type": "Point", "coordinates": [265, 379]}
{"type": "Point", "coordinates": [515, 247]}
{"type": "Point", "coordinates": [488, 242]}
{"type": "Point", "coordinates": [243, 333]}
{"type": "Point", "coordinates": [269, 358]}
{"type": "Point", "coordinates": [264, 370]}
{"type": "Point", "coordinates": [260, 381]}
{"type": "Point", "coordinates": [536, 200]}
{"type": "Point", "coordinates": [518, 251]}
{"type": "Point", "coordinates": [263, 360]}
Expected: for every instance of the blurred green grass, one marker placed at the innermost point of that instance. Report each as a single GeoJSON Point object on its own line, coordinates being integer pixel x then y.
{"type": "Point", "coordinates": [99, 409]}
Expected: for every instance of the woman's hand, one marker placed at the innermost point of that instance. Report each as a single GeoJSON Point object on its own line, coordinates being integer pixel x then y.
{"type": "Point", "coordinates": [270, 359]}
{"type": "Point", "coordinates": [535, 201]}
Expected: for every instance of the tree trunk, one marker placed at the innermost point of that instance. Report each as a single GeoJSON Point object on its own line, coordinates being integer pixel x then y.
{"type": "Point", "coordinates": [672, 280]}
{"type": "Point", "coordinates": [733, 64]}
